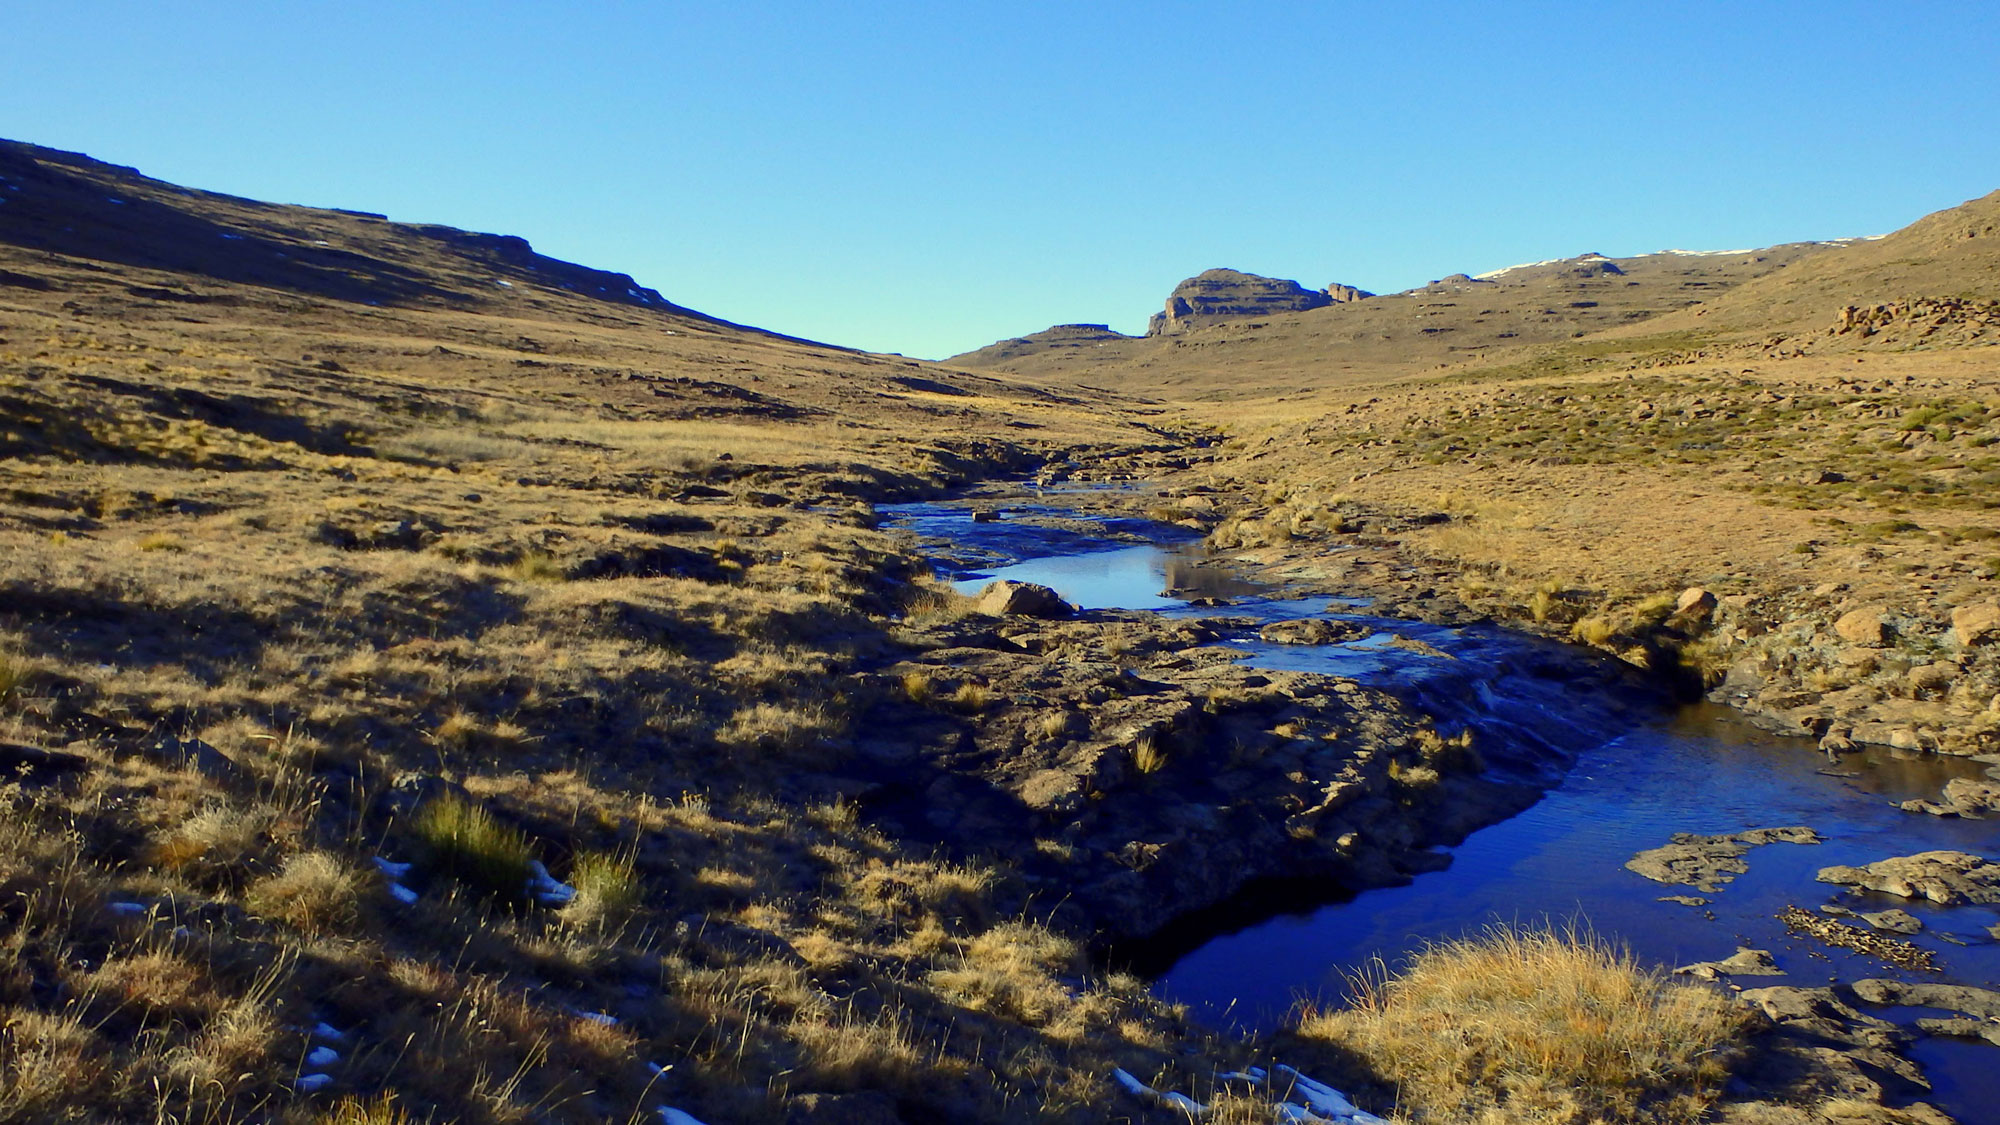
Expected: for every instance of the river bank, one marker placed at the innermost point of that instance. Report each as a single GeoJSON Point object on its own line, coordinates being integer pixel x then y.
{"type": "Point", "coordinates": [1260, 896]}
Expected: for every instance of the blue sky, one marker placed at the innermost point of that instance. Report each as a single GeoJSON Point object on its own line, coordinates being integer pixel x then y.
{"type": "Point", "coordinates": [927, 178]}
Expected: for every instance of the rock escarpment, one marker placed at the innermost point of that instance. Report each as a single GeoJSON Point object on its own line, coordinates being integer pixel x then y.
{"type": "Point", "coordinates": [1233, 293]}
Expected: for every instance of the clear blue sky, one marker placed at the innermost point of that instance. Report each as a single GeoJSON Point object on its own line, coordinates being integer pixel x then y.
{"type": "Point", "coordinates": [929, 177]}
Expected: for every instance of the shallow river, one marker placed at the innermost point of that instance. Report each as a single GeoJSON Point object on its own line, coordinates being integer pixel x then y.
{"type": "Point", "coordinates": [1701, 769]}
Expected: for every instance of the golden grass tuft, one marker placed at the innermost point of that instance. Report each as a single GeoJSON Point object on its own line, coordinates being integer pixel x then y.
{"type": "Point", "coordinates": [1540, 1027]}
{"type": "Point", "coordinates": [16, 673]}
{"type": "Point", "coordinates": [315, 892]}
{"type": "Point", "coordinates": [381, 1110]}
{"type": "Point", "coordinates": [1149, 755]}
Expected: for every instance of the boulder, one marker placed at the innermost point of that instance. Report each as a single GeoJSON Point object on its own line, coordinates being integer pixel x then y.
{"type": "Point", "coordinates": [1008, 598]}
{"type": "Point", "coordinates": [1975, 624]}
{"type": "Point", "coordinates": [1314, 631]}
{"type": "Point", "coordinates": [1864, 626]}
{"type": "Point", "coordinates": [1696, 602]}
{"type": "Point", "coordinates": [1893, 921]}
{"type": "Point", "coordinates": [1745, 962]}
{"type": "Point", "coordinates": [1944, 877]}
{"type": "Point", "coordinates": [1933, 677]}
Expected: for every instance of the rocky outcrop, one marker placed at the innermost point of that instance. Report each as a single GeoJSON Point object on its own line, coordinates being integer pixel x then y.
{"type": "Point", "coordinates": [1944, 877]}
{"type": "Point", "coordinates": [1745, 962]}
{"type": "Point", "coordinates": [1708, 862]}
{"type": "Point", "coordinates": [1232, 293]}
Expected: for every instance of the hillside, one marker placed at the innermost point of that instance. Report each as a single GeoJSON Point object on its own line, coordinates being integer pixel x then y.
{"type": "Point", "coordinates": [1455, 320]}
{"type": "Point", "coordinates": [1947, 262]}
{"type": "Point", "coordinates": [330, 539]}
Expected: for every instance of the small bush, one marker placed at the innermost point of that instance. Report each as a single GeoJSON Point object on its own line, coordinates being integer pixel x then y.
{"type": "Point", "coordinates": [1538, 1027]}
{"type": "Point", "coordinates": [535, 566]}
{"type": "Point", "coordinates": [464, 842]}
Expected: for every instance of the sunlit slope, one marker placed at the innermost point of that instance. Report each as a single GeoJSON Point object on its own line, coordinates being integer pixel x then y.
{"type": "Point", "coordinates": [1455, 320]}
{"type": "Point", "coordinates": [322, 310]}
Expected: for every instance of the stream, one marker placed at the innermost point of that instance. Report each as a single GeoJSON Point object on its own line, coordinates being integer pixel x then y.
{"type": "Point", "coordinates": [1641, 774]}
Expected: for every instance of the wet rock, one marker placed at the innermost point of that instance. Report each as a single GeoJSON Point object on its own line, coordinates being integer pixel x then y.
{"type": "Point", "coordinates": [1944, 877]}
{"type": "Point", "coordinates": [1893, 951]}
{"type": "Point", "coordinates": [1982, 1003]}
{"type": "Point", "coordinates": [1975, 624]}
{"type": "Point", "coordinates": [1821, 1051]}
{"type": "Point", "coordinates": [1314, 631]}
{"type": "Point", "coordinates": [1685, 900]}
{"type": "Point", "coordinates": [1745, 962]}
{"type": "Point", "coordinates": [1893, 921]}
{"type": "Point", "coordinates": [1008, 598]}
{"type": "Point", "coordinates": [1865, 627]}
{"type": "Point", "coordinates": [1969, 797]}
{"type": "Point", "coordinates": [1709, 862]}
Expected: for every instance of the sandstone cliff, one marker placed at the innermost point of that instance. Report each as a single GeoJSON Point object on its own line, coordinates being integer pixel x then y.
{"type": "Point", "coordinates": [1233, 293]}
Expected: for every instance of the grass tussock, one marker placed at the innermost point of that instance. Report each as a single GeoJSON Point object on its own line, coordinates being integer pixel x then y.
{"type": "Point", "coordinates": [464, 842]}
{"type": "Point", "coordinates": [314, 892]}
{"type": "Point", "coordinates": [1538, 1027]}
{"type": "Point", "coordinates": [607, 889]}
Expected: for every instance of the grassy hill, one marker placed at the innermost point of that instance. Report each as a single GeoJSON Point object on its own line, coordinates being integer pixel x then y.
{"type": "Point", "coordinates": [1455, 320]}
{"type": "Point", "coordinates": [328, 539]}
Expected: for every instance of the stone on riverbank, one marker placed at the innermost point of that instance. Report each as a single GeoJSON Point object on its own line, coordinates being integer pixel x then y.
{"type": "Point", "coordinates": [1008, 598]}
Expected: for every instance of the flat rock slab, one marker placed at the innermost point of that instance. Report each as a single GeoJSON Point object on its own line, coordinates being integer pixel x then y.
{"type": "Point", "coordinates": [1893, 921]}
{"type": "Point", "coordinates": [1971, 797]}
{"type": "Point", "coordinates": [1708, 862]}
{"type": "Point", "coordinates": [1745, 962]}
{"type": "Point", "coordinates": [1944, 877]}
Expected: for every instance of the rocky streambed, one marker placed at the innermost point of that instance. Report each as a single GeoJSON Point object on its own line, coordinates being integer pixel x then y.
{"type": "Point", "coordinates": [1250, 793]}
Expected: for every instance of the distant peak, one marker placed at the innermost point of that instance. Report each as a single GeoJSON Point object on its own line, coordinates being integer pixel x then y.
{"type": "Point", "coordinates": [1233, 293]}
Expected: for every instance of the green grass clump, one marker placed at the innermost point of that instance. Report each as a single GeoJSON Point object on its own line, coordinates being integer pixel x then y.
{"type": "Point", "coordinates": [463, 841]}
{"type": "Point", "coordinates": [607, 889]}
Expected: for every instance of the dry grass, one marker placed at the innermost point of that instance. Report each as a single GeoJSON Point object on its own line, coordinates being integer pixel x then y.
{"type": "Point", "coordinates": [315, 893]}
{"type": "Point", "coordinates": [607, 889]}
{"type": "Point", "coordinates": [1539, 1027]}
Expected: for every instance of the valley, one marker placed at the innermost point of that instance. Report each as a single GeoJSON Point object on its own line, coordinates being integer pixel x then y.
{"type": "Point", "coordinates": [440, 682]}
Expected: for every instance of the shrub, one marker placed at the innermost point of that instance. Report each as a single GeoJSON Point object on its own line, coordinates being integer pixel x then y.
{"type": "Point", "coordinates": [463, 841]}
{"type": "Point", "coordinates": [1538, 1026]}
